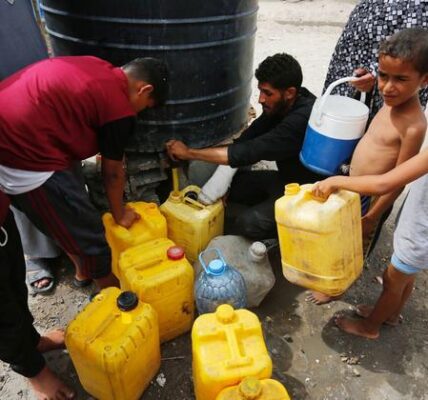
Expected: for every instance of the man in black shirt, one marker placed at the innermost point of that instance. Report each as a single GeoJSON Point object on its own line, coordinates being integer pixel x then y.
{"type": "Point", "coordinates": [277, 135]}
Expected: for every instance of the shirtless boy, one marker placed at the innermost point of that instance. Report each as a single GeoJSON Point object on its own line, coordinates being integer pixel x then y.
{"type": "Point", "coordinates": [410, 240]}
{"type": "Point", "coordinates": [398, 129]}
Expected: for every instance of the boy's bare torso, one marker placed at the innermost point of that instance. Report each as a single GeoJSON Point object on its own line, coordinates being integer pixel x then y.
{"type": "Point", "coordinates": [378, 150]}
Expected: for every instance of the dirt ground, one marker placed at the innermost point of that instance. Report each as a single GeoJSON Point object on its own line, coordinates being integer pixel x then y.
{"type": "Point", "coordinates": [311, 357]}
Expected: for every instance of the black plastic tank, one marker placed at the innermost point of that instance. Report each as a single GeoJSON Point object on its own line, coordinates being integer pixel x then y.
{"type": "Point", "coordinates": [207, 44]}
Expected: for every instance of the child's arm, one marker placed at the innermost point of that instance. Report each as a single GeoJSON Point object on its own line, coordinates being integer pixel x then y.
{"type": "Point", "coordinates": [398, 177]}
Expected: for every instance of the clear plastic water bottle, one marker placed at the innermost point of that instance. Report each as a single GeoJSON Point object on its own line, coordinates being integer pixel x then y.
{"type": "Point", "coordinates": [217, 284]}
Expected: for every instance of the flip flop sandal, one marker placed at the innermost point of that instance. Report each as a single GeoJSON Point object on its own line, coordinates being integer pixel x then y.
{"type": "Point", "coordinates": [37, 270]}
{"type": "Point", "coordinates": [81, 283]}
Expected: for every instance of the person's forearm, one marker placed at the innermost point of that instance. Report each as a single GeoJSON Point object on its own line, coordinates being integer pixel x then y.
{"type": "Point", "coordinates": [368, 185]}
{"type": "Point", "coordinates": [114, 184]}
{"type": "Point", "coordinates": [216, 155]}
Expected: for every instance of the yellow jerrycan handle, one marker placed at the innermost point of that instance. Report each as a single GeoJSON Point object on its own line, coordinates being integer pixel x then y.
{"type": "Point", "coordinates": [193, 202]}
{"type": "Point", "coordinates": [176, 191]}
{"type": "Point", "coordinates": [190, 201]}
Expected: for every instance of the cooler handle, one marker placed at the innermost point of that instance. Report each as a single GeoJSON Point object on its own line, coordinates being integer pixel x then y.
{"type": "Point", "coordinates": [201, 257]}
{"type": "Point", "coordinates": [319, 110]}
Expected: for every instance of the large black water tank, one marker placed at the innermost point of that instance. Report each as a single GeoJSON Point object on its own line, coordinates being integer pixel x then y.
{"type": "Point", "coordinates": [207, 44]}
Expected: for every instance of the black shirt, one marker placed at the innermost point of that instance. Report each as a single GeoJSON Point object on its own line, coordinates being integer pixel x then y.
{"type": "Point", "coordinates": [114, 136]}
{"type": "Point", "coordinates": [277, 138]}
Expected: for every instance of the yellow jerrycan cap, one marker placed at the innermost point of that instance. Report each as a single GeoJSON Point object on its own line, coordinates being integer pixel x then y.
{"type": "Point", "coordinates": [250, 388]}
{"type": "Point", "coordinates": [225, 313]}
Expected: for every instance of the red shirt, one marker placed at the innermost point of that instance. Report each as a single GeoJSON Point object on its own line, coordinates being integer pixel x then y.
{"type": "Point", "coordinates": [4, 207]}
{"type": "Point", "coordinates": [50, 112]}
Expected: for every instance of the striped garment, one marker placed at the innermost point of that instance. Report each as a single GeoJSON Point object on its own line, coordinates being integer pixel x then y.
{"type": "Point", "coordinates": [369, 23]}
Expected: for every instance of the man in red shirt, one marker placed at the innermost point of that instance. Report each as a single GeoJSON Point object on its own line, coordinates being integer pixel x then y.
{"type": "Point", "coordinates": [55, 113]}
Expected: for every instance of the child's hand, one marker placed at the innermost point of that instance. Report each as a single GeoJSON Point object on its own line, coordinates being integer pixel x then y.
{"type": "Point", "coordinates": [324, 188]}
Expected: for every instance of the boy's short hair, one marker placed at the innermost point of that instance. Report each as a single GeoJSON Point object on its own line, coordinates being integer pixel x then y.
{"type": "Point", "coordinates": [410, 45]}
{"type": "Point", "coordinates": [154, 72]}
{"type": "Point", "coordinates": [281, 70]}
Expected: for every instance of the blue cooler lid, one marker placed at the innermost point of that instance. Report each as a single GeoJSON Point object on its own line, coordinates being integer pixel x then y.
{"type": "Point", "coordinates": [216, 267]}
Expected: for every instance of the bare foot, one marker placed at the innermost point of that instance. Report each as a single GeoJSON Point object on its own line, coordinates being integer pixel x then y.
{"type": "Point", "coordinates": [355, 327]}
{"type": "Point", "coordinates": [47, 386]}
{"type": "Point", "coordinates": [52, 340]}
{"type": "Point", "coordinates": [320, 298]}
{"type": "Point", "coordinates": [42, 283]}
{"type": "Point", "coordinates": [364, 310]}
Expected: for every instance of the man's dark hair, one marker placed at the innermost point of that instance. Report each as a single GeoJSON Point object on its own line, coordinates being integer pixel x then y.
{"type": "Point", "coordinates": [410, 45]}
{"type": "Point", "coordinates": [281, 70]}
{"type": "Point", "coordinates": [153, 71]}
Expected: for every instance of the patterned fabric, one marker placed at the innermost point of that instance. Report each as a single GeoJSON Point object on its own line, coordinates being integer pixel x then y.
{"type": "Point", "coordinates": [369, 23]}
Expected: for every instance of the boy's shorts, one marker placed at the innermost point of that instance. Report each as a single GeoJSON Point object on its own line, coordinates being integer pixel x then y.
{"type": "Point", "coordinates": [402, 267]}
{"type": "Point", "coordinates": [365, 204]}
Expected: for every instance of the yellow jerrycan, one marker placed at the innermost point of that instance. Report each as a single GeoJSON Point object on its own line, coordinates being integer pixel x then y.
{"type": "Point", "coordinates": [114, 345]}
{"type": "Point", "coordinates": [151, 225]}
{"type": "Point", "coordinates": [191, 224]}
{"type": "Point", "coordinates": [160, 275]}
{"type": "Point", "coordinates": [320, 241]}
{"type": "Point", "coordinates": [227, 346]}
{"type": "Point", "coordinates": [254, 389]}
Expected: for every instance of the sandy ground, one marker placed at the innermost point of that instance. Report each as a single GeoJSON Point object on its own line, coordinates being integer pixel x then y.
{"type": "Point", "coordinates": [312, 358]}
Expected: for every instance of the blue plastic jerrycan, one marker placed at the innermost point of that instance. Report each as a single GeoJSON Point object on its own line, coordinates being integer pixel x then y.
{"type": "Point", "coordinates": [218, 283]}
{"type": "Point", "coordinates": [336, 125]}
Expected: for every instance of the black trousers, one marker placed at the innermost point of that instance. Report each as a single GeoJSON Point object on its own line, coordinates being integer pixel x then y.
{"type": "Point", "coordinates": [61, 209]}
{"type": "Point", "coordinates": [18, 337]}
{"type": "Point", "coordinates": [257, 191]}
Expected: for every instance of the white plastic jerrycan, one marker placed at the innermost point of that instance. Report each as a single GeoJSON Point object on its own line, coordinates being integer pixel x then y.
{"type": "Point", "coordinates": [336, 125]}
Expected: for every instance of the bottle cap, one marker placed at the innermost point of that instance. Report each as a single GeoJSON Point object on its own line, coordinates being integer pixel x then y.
{"type": "Point", "coordinates": [250, 388]}
{"type": "Point", "coordinates": [175, 253]}
{"type": "Point", "coordinates": [257, 251]}
{"type": "Point", "coordinates": [216, 267]}
{"type": "Point", "coordinates": [225, 313]}
{"type": "Point", "coordinates": [127, 301]}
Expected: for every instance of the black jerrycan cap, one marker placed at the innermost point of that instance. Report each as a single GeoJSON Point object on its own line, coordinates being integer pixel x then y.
{"type": "Point", "coordinates": [127, 301]}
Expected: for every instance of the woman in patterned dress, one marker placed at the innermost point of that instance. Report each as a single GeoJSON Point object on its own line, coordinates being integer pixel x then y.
{"type": "Point", "coordinates": [370, 22]}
